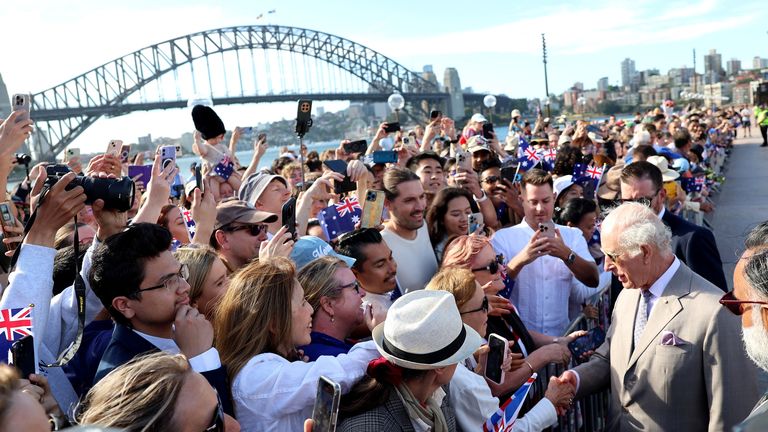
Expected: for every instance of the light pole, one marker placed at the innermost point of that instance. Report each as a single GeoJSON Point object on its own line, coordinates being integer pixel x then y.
{"type": "Point", "coordinates": [490, 101]}
{"type": "Point", "coordinates": [396, 102]}
{"type": "Point", "coordinates": [582, 103]}
{"type": "Point", "coordinates": [546, 82]}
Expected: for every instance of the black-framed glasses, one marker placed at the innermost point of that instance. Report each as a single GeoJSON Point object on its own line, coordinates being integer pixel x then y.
{"type": "Point", "coordinates": [483, 307]}
{"type": "Point", "coordinates": [491, 179]}
{"type": "Point", "coordinates": [492, 267]}
{"type": "Point", "coordinates": [734, 305]}
{"type": "Point", "coordinates": [217, 422]}
{"type": "Point", "coordinates": [172, 283]}
{"type": "Point", "coordinates": [253, 230]}
{"type": "Point", "coordinates": [646, 201]}
{"type": "Point", "coordinates": [354, 285]}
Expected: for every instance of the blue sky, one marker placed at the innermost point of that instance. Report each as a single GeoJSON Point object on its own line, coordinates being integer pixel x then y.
{"type": "Point", "coordinates": [495, 45]}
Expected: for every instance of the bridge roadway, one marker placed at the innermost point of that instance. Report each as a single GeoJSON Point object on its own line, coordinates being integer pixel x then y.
{"type": "Point", "coordinates": [743, 200]}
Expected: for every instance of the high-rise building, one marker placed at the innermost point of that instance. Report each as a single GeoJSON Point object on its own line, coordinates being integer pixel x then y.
{"type": "Point", "coordinates": [452, 85]}
{"type": "Point", "coordinates": [759, 62]}
{"type": "Point", "coordinates": [578, 85]}
{"type": "Point", "coordinates": [602, 84]}
{"type": "Point", "coordinates": [713, 67]}
{"type": "Point", "coordinates": [680, 76]}
{"type": "Point", "coordinates": [5, 100]}
{"type": "Point", "coordinates": [733, 66]}
{"type": "Point", "coordinates": [628, 72]}
{"type": "Point", "coordinates": [429, 75]}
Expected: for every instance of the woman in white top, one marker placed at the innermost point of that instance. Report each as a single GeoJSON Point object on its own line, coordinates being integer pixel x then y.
{"type": "Point", "coordinates": [469, 393]}
{"type": "Point", "coordinates": [261, 320]}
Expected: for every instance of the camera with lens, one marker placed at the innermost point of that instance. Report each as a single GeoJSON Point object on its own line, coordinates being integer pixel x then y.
{"type": "Point", "coordinates": [23, 158]}
{"type": "Point", "coordinates": [117, 193]}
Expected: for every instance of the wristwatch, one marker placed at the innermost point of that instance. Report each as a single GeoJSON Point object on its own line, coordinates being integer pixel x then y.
{"type": "Point", "coordinates": [571, 259]}
{"type": "Point", "coordinates": [482, 198]}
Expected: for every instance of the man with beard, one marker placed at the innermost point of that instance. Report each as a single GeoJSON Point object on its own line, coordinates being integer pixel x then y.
{"type": "Point", "coordinates": [749, 300]}
{"type": "Point", "coordinates": [429, 167]}
{"type": "Point", "coordinates": [406, 233]}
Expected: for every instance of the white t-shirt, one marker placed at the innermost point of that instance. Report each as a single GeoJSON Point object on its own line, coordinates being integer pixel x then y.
{"type": "Point", "coordinates": [416, 262]}
{"type": "Point", "coordinates": [543, 287]}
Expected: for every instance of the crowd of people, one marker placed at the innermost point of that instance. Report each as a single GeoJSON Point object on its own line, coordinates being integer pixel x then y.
{"type": "Point", "coordinates": [212, 309]}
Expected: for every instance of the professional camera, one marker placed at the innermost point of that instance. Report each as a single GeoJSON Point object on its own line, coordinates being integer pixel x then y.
{"type": "Point", "coordinates": [117, 194]}
{"type": "Point", "coordinates": [23, 158]}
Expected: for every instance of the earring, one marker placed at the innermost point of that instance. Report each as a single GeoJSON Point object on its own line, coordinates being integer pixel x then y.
{"type": "Point", "coordinates": [333, 319]}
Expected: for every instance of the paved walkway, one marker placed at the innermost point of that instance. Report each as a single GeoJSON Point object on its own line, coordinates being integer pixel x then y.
{"type": "Point", "coordinates": [743, 200]}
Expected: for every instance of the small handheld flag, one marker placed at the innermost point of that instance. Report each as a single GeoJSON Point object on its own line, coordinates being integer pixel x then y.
{"type": "Point", "coordinates": [340, 217]}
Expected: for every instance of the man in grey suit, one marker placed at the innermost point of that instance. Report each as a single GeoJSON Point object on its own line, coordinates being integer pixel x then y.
{"type": "Point", "coordinates": [749, 300]}
{"type": "Point", "coordinates": [671, 356]}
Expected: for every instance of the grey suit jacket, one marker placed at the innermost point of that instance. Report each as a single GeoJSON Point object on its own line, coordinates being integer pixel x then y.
{"type": "Point", "coordinates": [705, 383]}
{"type": "Point", "coordinates": [393, 417]}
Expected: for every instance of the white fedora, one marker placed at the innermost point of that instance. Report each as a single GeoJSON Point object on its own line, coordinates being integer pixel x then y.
{"type": "Point", "coordinates": [423, 330]}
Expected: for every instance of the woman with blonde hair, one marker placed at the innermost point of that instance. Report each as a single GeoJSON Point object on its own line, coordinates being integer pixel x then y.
{"type": "Point", "coordinates": [208, 280]}
{"type": "Point", "coordinates": [260, 321]}
{"type": "Point", "coordinates": [155, 393]}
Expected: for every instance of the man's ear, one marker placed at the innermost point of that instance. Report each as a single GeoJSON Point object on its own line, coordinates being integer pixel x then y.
{"type": "Point", "coordinates": [124, 305]}
{"type": "Point", "coordinates": [647, 252]}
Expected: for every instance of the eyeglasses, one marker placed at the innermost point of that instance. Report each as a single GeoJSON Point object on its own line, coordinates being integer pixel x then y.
{"type": "Point", "coordinates": [217, 422]}
{"type": "Point", "coordinates": [493, 266]}
{"type": "Point", "coordinates": [491, 179]}
{"type": "Point", "coordinates": [734, 305]}
{"type": "Point", "coordinates": [483, 307]}
{"type": "Point", "coordinates": [354, 285]}
{"type": "Point", "coordinates": [253, 230]}
{"type": "Point", "coordinates": [646, 201]}
{"type": "Point", "coordinates": [614, 256]}
{"type": "Point", "coordinates": [172, 283]}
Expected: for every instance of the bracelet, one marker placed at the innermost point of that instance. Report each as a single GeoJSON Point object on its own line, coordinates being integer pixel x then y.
{"type": "Point", "coordinates": [483, 198]}
{"type": "Point", "coordinates": [529, 366]}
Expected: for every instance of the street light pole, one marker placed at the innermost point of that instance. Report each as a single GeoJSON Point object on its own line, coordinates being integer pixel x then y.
{"type": "Point", "coordinates": [546, 82]}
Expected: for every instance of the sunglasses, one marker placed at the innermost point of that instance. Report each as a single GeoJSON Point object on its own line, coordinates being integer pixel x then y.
{"type": "Point", "coordinates": [491, 179]}
{"type": "Point", "coordinates": [217, 422]}
{"type": "Point", "coordinates": [253, 230]}
{"type": "Point", "coordinates": [734, 305]}
{"type": "Point", "coordinates": [493, 266]}
{"type": "Point", "coordinates": [483, 307]}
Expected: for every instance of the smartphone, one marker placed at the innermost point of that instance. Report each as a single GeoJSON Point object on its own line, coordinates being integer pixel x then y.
{"type": "Point", "coordinates": [288, 213]}
{"type": "Point", "coordinates": [499, 350]}
{"type": "Point", "coordinates": [488, 132]}
{"type": "Point", "coordinates": [547, 229]}
{"type": "Point", "coordinates": [372, 209]}
{"type": "Point", "coordinates": [589, 342]}
{"type": "Point", "coordinates": [21, 102]}
{"type": "Point", "coordinates": [113, 148]}
{"type": "Point", "coordinates": [125, 152]}
{"type": "Point", "coordinates": [199, 178]}
{"type": "Point", "coordinates": [23, 356]}
{"type": "Point", "coordinates": [474, 222]}
{"type": "Point", "coordinates": [72, 153]}
{"type": "Point", "coordinates": [326, 410]}
{"type": "Point", "coordinates": [463, 159]}
{"type": "Point", "coordinates": [262, 137]}
{"type": "Point", "coordinates": [339, 166]}
{"type": "Point", "coordinates": [435, 114]}
{"type": "Point", "coordinates": [384, 156]}
{"type": "Point", "coordinates": [303, 116]}
{"type": "Point", "coordinates": [167, 155]}
{"type": "Point", "coordinates": [178, 151]}
{"type": "Point", "coordinates": [511, 173]}
{"type": "Point", "coordinates": [7, 219]}
{"type": "Point", "coordinates": [359, 146]}
{"type": "Point", "coordinates": [140, 172]}
{"type": "Point", "coordinates": [392, 127]}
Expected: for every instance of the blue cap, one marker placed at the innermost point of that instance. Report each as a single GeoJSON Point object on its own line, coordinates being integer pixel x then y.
{"type": "Point", "coordinates": [309, 248]}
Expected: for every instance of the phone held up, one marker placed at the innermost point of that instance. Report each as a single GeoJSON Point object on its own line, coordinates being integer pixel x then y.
{"type": "Point", "coordinates": [8, 221]}
{"type": "Point", "coordinates": [113, 147]}
{"type": "Point", "coordinates": [167, 155]}
{"type": "Point", "coordinates": [589, 342]}
{"type": "Point", "coordinates": [303, 117]}
{"type": "Point", "coordinates": [372, 209]}
{"type": "Point", "coordinates": [288, 213]}
{"type": "Point", "coordinates": [21, 102]}
{"type": "Point", "coordinates": [547, 229]}
{"type": "Point", "coordinates": [497, 354]}
{"type": "Point", "coordinates": [326, 410]}
{"type": "Point", "coordinates": [392, 127]}
{"type": "Point", "coordinates": [359, 146]}
{"type": "Point", "coordinates": [339, 166]}
{"type": "Point", "coordinates": [23, 356]}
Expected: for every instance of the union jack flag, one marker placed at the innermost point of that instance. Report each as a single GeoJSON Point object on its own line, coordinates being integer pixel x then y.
{"type": "Point", "coordinates": [14, 325]}
{"type": "Point", "coordinates": [348, 205]}
{"type": "Point", "coordinates": [550, 154]}
{"type": "Point", "coordinates": [504, 419]}
{"type": "Point", "coordinates": [594, 172]}
{"type": "Point", "coordinates": [531, 154]}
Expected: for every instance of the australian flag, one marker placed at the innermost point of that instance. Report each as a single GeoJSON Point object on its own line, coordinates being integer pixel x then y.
{"type": "Point", "coordinates": [504, 419]}
{"type": "Point", "coordinates": [14, 325]}
{"type": "Point", "coordinates": [527, 155]}
{"type": "Point", "coordinates": [186, 215]}
{"type": "Point", "coordinates": [692, 184]}
{"type": "Point", "coordinates": [224, 168]}
{"type": "Point", "coordinates": [340, 217]}
{"type": "Point", "coordinates": [583, 172]}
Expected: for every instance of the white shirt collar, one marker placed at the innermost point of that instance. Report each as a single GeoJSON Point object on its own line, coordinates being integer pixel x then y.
{"type": "Point", "coordinates": [163, 344]}
{"type": "Point", "coordinates": [661, 213]}
{"type": "Point", "coordinates": [658, 287]}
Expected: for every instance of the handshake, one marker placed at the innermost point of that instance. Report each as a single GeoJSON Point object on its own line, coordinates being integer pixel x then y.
{"type": "Point", "coordinates": [561, 391]}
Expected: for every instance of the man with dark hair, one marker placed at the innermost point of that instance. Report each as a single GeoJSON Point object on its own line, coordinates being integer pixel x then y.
{"type": "Point", "coordinates": [145, 290]}
{"type": "Point", "coordinates": [693, 245]}
{"type": "Point", "coordinates": [642, 152]}
{"type": "Point", "coordinates": [429, 167]}
{"type": "Point", "coordinates": [375, 267]}
{"type": "Point", "coordinates": [406, 232]}
{"type": "Point", "coordinates": [549, 264]}
{"type": "Point", "coordinates": [503, 195]}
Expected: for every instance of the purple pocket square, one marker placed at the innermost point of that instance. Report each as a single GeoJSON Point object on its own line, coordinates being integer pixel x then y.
{"type": "Point", "coordinates": [669, 338]}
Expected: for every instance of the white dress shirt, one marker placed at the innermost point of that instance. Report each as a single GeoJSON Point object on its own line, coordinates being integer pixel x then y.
{"type": "Point", "coordinates": [204, 362]}
{"type": "Point", "coordinates": [543, 287]}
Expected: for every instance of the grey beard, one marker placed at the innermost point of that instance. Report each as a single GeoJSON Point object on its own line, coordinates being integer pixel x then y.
{"type": "Point", "coordinates": [756, 340]}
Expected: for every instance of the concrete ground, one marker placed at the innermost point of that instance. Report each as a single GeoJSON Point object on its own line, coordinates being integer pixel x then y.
{"type": "Point", "coordinates": [743, 199]}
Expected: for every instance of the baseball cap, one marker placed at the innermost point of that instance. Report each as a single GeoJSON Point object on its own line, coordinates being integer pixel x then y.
{"type": "Point", "coordinates": [515, 113]}
{"type": "Point", "coordinates": [254, 185]}
{"type": "Point", "coordinates": [477, 143]}
{"type": "Point", "coordinates": [562, 183]}
{"type": "Point", "coordinates": [309, 248]}
{"type": "Point", "coordinates": [478, 118]}
{"type": "Point", "coordinates": [233, 210]}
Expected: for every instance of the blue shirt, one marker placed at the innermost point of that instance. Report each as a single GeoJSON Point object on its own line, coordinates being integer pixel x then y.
{"type": "Point", "coordinates": [324, 345]}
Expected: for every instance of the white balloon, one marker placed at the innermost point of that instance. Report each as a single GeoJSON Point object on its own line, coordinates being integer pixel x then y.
{"type": "Point", "coordinates": [200, 100]}
{"type": "Point", "coordinates": [396, 101]}
{"type": "Point", "coordinates": [489, 101]}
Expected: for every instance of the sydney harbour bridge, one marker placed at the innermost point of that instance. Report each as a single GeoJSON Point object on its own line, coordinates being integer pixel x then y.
{"type": "Point", "coordinates": [235, 65]}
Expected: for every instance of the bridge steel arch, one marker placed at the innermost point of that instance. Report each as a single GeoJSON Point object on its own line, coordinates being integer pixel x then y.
{"type": "Point", "coordinates": [64, 111]}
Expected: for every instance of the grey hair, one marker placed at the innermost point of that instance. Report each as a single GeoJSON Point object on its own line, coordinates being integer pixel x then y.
{"type": "Point", "coordinates": [757, 237]}
{"type": "Point", "coordinates": [638, 226]}
{"type": "Point", "coordinates": [756, 273]}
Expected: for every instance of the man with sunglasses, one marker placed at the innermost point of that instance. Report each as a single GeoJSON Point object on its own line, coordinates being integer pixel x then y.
{"type": "Point", "coordinates": [749, 301]}
{"type": "Point", "coordinates": [145, 290]}
{"type": "Point", "coordinates": [239, 231]}
{"type": "Point", "coordinates": [672, 357]}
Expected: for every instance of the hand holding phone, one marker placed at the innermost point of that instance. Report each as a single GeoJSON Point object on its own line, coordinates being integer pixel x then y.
{"type": "Point", "coordinates": [23, 356]}
{"type": "Point", "coordinates": [21, 102]}
{"type": "Point", "coordinates": [547, 229]}
{"type": "Point", "coordinates": [589, 342]}
{"type": "Point", "coordinates": [339, 166]}
{"type": "Point", "coordinates": [392, 127]}
{"type": "Point", "coordinates": [113, 147]}
{"type": "Point", "coordinates": [372, 209]}
{"type": "Point", "coordinates": [288, 214]}
{"type": "Point", "coordinates": [167, 155]}
{"type": "Point", "coordinates": [8, 221]}
{"type": "Point", "coordinates": [326, 410]}
{"type": "Point", "coordinates": [497, 354]}
{"type": "Point", "coordinates": [359, 146]}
